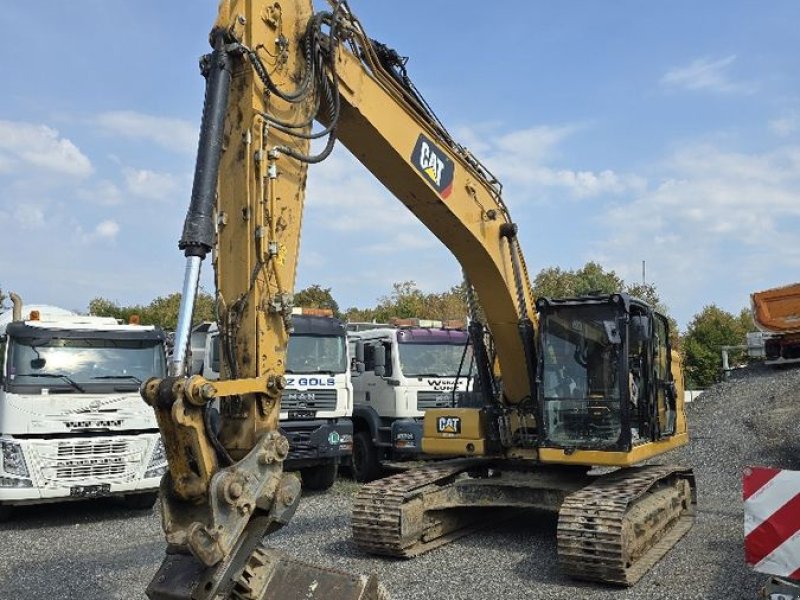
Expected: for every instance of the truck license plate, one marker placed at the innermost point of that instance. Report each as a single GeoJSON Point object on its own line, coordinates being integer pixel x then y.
{"type": "Point", "coordinates": [302, 414]}
{"type": "Point", "coordinates": [90, 491]}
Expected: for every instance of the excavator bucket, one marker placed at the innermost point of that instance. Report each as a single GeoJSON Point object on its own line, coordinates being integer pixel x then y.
{"type": "Point", "coordinates": [266, 575]}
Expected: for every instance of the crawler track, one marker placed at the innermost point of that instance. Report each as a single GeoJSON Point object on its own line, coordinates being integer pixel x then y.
{"type": "Point", "coordinates": [388, 514]}
{"type": "Point", "coordinates": [617, 528]}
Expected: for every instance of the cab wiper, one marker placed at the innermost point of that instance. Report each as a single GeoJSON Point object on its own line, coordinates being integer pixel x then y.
{"type": "Point", "coordinates": [429, 375]}
{"type": "Point", "coordinates": [136, 379]}
{"type": "Point", "coordinates": [66, 378]}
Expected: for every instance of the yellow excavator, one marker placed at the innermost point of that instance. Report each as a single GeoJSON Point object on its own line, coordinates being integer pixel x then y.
{"type": "Point", "coordinates": [563, 386]}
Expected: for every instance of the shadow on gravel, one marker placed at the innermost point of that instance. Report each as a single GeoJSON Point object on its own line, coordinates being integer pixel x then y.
{"type": "Point", "coordinates": [93, 576]}
{"type": "Point", "coordinates": [68, 514]}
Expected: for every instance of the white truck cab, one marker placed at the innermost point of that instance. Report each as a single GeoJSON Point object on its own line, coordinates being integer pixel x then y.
{"type": "Point", "coordinates": [317, 403]}
{"type": "Point", "coordinates": [399, 373]}
{"type": "Point", "coordinates": [72, 422]}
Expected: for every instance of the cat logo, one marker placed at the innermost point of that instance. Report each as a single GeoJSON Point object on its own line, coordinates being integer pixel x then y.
{"type": "Point", "coordinates": [436, 167]}
{"type": "Point", "coordinates": [451, 425]}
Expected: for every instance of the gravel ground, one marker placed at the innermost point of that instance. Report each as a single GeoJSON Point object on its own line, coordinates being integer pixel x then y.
{"type": "Point", "coordinates": [98, 550]}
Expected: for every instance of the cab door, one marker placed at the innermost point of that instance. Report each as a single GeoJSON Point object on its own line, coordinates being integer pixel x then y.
{"type": "Point", "coordinates": [662, 379]}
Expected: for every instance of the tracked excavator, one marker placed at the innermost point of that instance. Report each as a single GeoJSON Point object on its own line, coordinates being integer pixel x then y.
{"type": "Point", "coordinates": [588, 382]}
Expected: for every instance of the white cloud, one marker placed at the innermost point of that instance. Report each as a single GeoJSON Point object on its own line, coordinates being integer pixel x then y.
{"type": "Point", "coordinates": [347, 198]}
{"type": "Point", "coordinates": [783, 126]}
{"type": "Point", "coordinates": [153, 185]}
{"type": "Point", "coordinates": [175, 135]}
{"type": "Point", "coordinates": [29, 216]}
{"type": "Point", "coordinates": [401, 242]}
{"type": "Point", "coordinates": [524, 158]}
{"type": "Point", "coordinates": [707, 74]}
{"type": "Point", "coordinates": [41, 147]}
{"type": "Point", "coordinates": [718, 227]}
{"type": "Point", "coordinates": [104, 231]}
{"type": "Point", "coordinates": [107, 229]}
{"type": "Point", "coordinates": [102, 193]}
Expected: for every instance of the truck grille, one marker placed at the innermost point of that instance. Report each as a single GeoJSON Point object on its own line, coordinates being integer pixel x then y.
{"type": "Point", "coordinates": [90, 471]}
{"type": "Point", "coordinates": [92, 447]}
{"type": "Point", "coordinates": [111, 460]}
{"type": "Point", "coordinates": [431, 399]}
{"type": "Point", "coordinates": [308, 400]}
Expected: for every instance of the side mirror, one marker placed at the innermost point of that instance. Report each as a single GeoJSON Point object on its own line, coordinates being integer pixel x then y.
{"type": "Point", "coordinates": [360, 352]}
{"type": "Point", "coordinates": [380, 360]}
{"type": "Point", "coordinates": [215, 354]}
{"type": "Point", "coordinates": [357, 362]}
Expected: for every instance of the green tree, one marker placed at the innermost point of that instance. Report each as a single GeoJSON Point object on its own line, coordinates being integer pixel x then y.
{"type": "Point", "coordinates": [3, 299]}
{"type": "Point", "coordinates": [162, 311]}
{"type": "Point", "coordinates": [406, 300]}
{"type": "Point", "coordinates": [554, 282]}
{"type": "Point", "coordinates": [707, 332]}
{"type": "Point", "coordinates": [316, 296]}
{"type": "Point", "coordinates": [593, 278]}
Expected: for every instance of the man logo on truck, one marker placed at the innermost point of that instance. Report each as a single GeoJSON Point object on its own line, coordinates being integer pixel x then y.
{"type": "Point", "coordinates": [434, 165]}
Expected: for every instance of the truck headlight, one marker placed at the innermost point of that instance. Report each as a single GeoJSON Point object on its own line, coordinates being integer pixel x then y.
{"type": "Point", "coordinates": [13, 459]}
{"type": "Point", "coordinates": [158, 461]}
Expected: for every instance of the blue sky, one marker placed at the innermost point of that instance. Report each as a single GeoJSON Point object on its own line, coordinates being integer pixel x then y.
{"type": "Point", "coordinates": [626, 131]}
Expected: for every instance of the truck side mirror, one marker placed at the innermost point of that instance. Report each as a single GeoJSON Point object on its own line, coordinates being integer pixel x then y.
{"type": "Point", "coordinates": [215, 354]}
{"type": "Point", "coordinates": [380, 360]}
{"type": "Point", "coordinates": [357, 368]}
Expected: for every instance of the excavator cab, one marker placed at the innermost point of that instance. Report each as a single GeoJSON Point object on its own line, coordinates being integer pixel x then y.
{"type": "Point", "coordinates": [605, 374]}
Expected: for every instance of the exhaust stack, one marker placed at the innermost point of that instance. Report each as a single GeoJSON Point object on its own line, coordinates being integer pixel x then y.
{"type": "Point", "coordinates": [16, 311]}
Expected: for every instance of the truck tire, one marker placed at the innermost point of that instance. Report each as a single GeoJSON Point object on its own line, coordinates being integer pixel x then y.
{"type": "Point", "coordinates": [320, 477]}
{"type": "Point", "coordinates": [366, 466]}
{"type": "Point", "coordinates": [140, 501]}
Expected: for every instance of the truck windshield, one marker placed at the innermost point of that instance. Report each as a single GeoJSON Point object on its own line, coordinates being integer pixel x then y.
{"type": "Point", "coordinates": [316, 354]}
{"type": "Point", "coordinates": [580, 365]}
{"type": "Point", "coordinates": [433, 360]}
{"type": "Point", "coordinates": [79, 364]}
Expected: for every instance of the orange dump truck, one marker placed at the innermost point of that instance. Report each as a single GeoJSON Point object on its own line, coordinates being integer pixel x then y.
{"type": "Point", "coordinates": [776, 313]}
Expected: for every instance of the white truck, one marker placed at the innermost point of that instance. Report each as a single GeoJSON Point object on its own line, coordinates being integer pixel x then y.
{"type": "Point", "coordinates": [72, 422]}
{"type": "Point", "coordinates": [399, 373]}
{"type": "Point", "coordinates": [318, 400]}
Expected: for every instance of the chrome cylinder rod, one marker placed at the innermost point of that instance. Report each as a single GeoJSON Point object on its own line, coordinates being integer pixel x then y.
{"type": "Point", "coordinates": [191, 280]}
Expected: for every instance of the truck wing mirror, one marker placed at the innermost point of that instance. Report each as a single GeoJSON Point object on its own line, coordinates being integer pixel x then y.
{"type": "Point", "coordinates": [360, 352]}
{"type": "Point", "coordinates": [357, 364]}
{"type": "Point", "coordinates": [380, 360]}
{"type": "Point", "coordinates": [214, 350]}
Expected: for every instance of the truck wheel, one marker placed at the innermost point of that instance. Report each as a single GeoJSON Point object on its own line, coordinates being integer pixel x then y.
{"type": "Point", "coordinates": [319, 478]}
{"type": "Point", "coordinates": [140, 501]}
{"type": "Point", "coordinates": [366, 466]}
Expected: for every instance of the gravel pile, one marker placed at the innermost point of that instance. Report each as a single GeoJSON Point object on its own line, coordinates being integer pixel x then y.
{"type": "Point", "coordinates": [100, 551]}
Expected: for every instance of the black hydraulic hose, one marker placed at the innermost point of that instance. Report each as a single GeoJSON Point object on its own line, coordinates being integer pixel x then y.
{"type": "Point", "coordinates": [484, 369]}
{"type": "Point", "coordinates": [198, 228]}
{"type": "Point", "coordinates": [211, 433]}
{"type": "Point", "coordinates": [458, 373]}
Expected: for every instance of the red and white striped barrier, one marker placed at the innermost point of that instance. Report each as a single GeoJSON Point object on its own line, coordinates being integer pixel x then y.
{"type": "Point", "coordinates": [772, 521]}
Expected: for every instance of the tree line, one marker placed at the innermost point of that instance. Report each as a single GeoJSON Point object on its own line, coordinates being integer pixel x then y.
{"type": "Point", "coordinates": [700, 344]}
